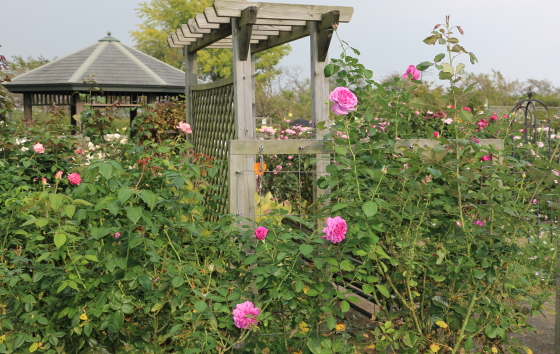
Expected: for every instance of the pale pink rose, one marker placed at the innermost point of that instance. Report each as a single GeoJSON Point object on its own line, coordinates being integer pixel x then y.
{"type": "Point", "coordinates": [429, 112]}
{"type": "Point", "coordinates": [336, 229]}
{"type": "Point", "coordinates": [38, 148]}
{"type": "Point", "coordinates": [479, 223]}
{"type": "Point", "coordinates": [287, 120]}
{"type": "Point", "coordinates": [260, 232]}
{"type": "Point", "coordinates": [343, 100]}
{"type": "Point", "coordinates": [44, 181]}
{"type": "Point", "coordinates": [485, 158]}
{"type": "Point", "coordinates": [117, 234]}
{"type": "Point", "coordinates": [74, 178]}
{"type": "Point", "coordinates": [58, 175]}
{"type": "Point", "coordinates": [448, 120]}
{"type": "Point", "coordinates": [535, 202]}
{"type": "Point", "coordinates": [279, 168]}
{"type": "Point", "coordinates": [290, 157]}
{"type": "Point", "coordinates": [436, 135]}
{"type": "Point", "coordinates": [412, 72]}
{"type": "Point", "coordinates": [540, 144]}
{"type": "Point", "coordinates": [556, 173]}
{"type": "Point", "coordinates": [184, 127]}
{"type": "Point", "coordinates": [245, 315]}
{"type": "Point", "coordinates": [459, 224]}
{"type": "Point", "coordinates": [516, 137]}
{"type": "Point", "coordinates": [417, 112]}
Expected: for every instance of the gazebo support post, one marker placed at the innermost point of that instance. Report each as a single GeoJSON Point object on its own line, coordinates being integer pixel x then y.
{"type": "Point", "coordinates": [191, 78]}
{"type": "Point", "coordinates": [77, 107]}
{"type": "Point", "coordinates": [242, 181]}
{"type": "Point", "coordinates": [319, 91]}
{"type": "Point", "coordinates": [27, 107]}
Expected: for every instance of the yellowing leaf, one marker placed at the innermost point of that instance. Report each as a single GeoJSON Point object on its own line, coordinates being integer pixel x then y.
{"type": "Point", "coordinates": [528, 350]}
{"type": "Point", "coordinates": [494, 350]}
{"type": "Point", "coordinates": [371, 346]}
{"type": "Point", "coordinates": [305, 288]}
{"type": "Point", "coordinates": [340, 327]}
{"type": "Point", "coordinates": [83, 317]}
{"type": "Point", "coordinates": [434, 347]}
{"type": "Point", "coordinates": [441, 324]}
{"type": "Point", "coordinates": [303, 327]}
{"type": "Point", "coordinates": [298, 352]}
{"type": "Point", "coordinates": [2, 338]}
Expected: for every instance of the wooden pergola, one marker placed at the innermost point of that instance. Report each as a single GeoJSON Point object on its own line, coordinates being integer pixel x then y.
{"type": "Point", "coordinates": [248, 28]}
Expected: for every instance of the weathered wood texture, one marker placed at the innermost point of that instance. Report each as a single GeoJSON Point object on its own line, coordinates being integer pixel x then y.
{"type": "Point", "coordinates": [215, 35]}
{"type": "Point", "coordinates": [279, 147]}
{"type": "Point", "coordinates": [242, 186]}
{"type": "Point", "coordinates": [281, 11]}
{"type": "Point", "coordinates": [213, 128]}
{"type": "Point", "coordinates": [246, 22]}
{"type": "Point", "coordinates": [326, 28]}
{"type": "Point", "coordinates": [191, 77]}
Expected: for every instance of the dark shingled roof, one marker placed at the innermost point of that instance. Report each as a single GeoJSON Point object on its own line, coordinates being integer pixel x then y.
{"type": "Point", "coordinates": [111, 64]}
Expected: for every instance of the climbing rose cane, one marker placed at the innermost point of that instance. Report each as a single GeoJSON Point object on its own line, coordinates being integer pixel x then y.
{"type": "Point", "coordinates": [335, 230]}
{"type": "Point", "coordinates": [260, 232]}
{"type": "Point", "coordinates": [412, 71]}
{"type": "Point", "coordinates": [74, 178]}
{"type": "Point", "coordinates": [245, 315]}
{"type": "Point", "coordinates": [344, 100]}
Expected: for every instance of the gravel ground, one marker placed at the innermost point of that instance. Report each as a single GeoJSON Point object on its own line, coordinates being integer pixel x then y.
{"type": "Point", "coordinates": [541, 342]}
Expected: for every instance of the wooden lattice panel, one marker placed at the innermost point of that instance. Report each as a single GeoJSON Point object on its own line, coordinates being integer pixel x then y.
{"type": "Point", "coordinates": [213, 121]}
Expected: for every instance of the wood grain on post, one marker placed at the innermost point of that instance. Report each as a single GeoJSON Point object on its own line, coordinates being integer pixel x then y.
{"type": "Point", "coordinates": [191, 78]}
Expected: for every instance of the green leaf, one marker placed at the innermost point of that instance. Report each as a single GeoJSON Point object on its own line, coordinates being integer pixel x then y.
{"type": "Point", "coordinates": [149, 198]}
{"type": "Point", "coordinates": [434, 172]}
{"type": "Point", "coordinates": [91, 257]}
{"type": "Point", "coordinates": [312, 292]}
{"type": "Point", "coordinates": [367, 289]}
{"type": "Point", "coordinates": [440, 301]}
{"type": "Point", "coordinates": [200, 306]}
{"type": "Point", "coordinates": [383, 290]}
{"type": "Point", "coordinates": [447, 68]}
{"type": "Point", "coordinates": [445, 75]}
{"type": "Point", "coordinates": [341, 150]}
{"type": "Point", "coordinates": [33, 347]}
{"type": "Point", "coordinates": [439, 57]}
{"type": "Point", "coordinates": [41, 222]}
{"type": "Point", "coordinates": [466, 116]}
{"type": "Point", "coordinates": [418, 102]}
{"type": "Point", "coordinates": [88, 327]}
{"type": "Point", "coordinates": [339, 206]}
{"type": "Point", "coordinates": [106, 170]}
{"type": "Point", "coordinates": [55, 200]}
{"type": "Point", "coordinates": [134, 213]}
{"type": "Point", "coordinates": [431, 39]}
{"type": "Point", "coordinates": [331, 322]}
{"type": "Point", "coordinates": [330, 69]}
{"type": "Point", "coordinates": [459, 67]}
{"type": "Point", "coordinates": [124, 194]}
{"type": "Point", "coordinates": [471, 326]}
{"type": "Point", "coordinates": [81, 202]}
{"type": "Point", "coordinates": [430, 157]}
{"type": "Point", "coordinates": [145, 281]}
{"type": "Point", "coordinates": [177, 281]}
{"type": "Point", "coordinates": [69, 210]}
{"type": "Point", "coordinates": [59, 239]}
{"type": "Point", "coordinates": [305, 249]}
{"type": "Point", "coordinates": [175, 329]}
{"type": "Point", "coordinates": [314, 345]}
{"type": "Point", "coordinates": [369, 208]}
{"type": "Point", "coordinates": [344, 306]}
{"type": "Point", "coordinates": [469, 343]}
{"type": "Point", "coordinates": [478, 274]}
{"type": "Point", "coordinates": [118, 319]}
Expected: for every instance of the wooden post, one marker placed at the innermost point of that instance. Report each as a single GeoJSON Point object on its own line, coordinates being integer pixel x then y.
{"type": "Point", "coordinates": [77, 107]}
{"type": "Point", "coordinates": [191, 78]}
{"type": "Point", "coordinates": [319, 99]}
{"type": "Point", "coordinates": [27, 107]}
{"type": "Point", "coordinates": [242, 180]}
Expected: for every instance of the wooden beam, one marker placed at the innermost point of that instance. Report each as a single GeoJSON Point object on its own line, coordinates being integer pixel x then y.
{"type": "Point", "coordinates": [273, 28]}
{"type": "Point", "coordinates": [252, 147]}
{"type": "Point", "coordinates": [233, 8]}
{"type": "Point", "coordinates": [188, 34]}
{"type": "Point", "coordinates": [272, 22]}
{"type": "Point", "coordinates": [326, 28]}
{"type": "Point", "coordinates": [202, 23]}
{"type": "Point", "coordinates": [211, 38]}
{"type": "Point", "coordinates": [283, 38]}
{"type": "Point", "coordinates": [191, 78]}
{"type": "Point", "coordinates": [182, 38]}
{"type": "Point", "coordinates": [265, 33]}
{"type": "Point", "coordinates": [246, 22]}
{"type": "Point", "coordinates": [171, 44]}
{"type": "Point", "coordinates": [193, 27]}
{"type": "Point", "coordinates": [211, 16]}
{"type": "Point", "coordinates": [177, 41]}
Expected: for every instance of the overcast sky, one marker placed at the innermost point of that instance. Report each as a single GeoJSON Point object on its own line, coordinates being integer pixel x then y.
{"type": "Point", "coordinates": [519, 38]}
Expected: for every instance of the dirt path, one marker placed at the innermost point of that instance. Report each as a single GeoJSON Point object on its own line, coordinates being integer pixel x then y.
{"type": "Point", "coordinates": [541, 342]}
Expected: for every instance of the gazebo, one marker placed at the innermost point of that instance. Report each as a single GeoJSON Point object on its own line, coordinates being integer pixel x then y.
{"type": "Point", "coordinates": [122, 73]}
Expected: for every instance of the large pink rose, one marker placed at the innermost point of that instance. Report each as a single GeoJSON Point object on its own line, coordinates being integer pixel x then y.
{"type": "Point", "coordinates": [335, 230]}
{"type": "Point", "coordinates": [39, 148]}
{"type": "Point", "coordinates": [74, 178]}
{"type": "Point", "coordinates": [412, 71]}
{"type": "Point", "coordinates": [344, 100]}
{"type": "Point", "coordinates": [185, 127]}
{"type": "Point", "coordinates": [260, 232]}
{"type": "Point", "coordinates": [245, 315]}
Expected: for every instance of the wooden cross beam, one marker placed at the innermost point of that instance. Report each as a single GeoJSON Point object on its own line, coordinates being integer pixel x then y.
{"type": "Point", "coordinates": [248, 19]}
{"type": "Point", "coordinates": [214, 36]}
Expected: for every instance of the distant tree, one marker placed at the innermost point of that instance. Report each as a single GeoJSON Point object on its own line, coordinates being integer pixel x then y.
{"type": "Point", "coordinates": [164, 16]}
{"type": "Point", "coordinates": [18, 65]}
{"type": "Point", "coordinates": [493, 87]}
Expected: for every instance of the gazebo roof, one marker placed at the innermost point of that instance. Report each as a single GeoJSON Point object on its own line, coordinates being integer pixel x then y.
{"type": "Point", "coordinates": [112, 65]}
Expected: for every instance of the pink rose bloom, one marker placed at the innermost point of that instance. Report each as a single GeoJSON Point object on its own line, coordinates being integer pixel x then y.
{"type": "Point", "coordinates": [287, 120]}
{"type": "Point", "coordinates": [540, 144]}
{"type": "Point", "coordinates": [494, 117]}
{"type": "Point", "coordinates": [417, 112]}
{"type": "Point", "coordinates": [44, 181]}
{"type": "Point", "coordinates": [290, 157]}
{"type": "Point", "coordinates": [184, 127]}
{"type": "Point", "coordinates": [260, 232]}
{"type": "Point", "coordinates": [58, 175]}
{"type": "Point", "coordinates": [344, 100]}
{"type": "Point", "coordinates": [475, 140]}
{"type": "Point", "coordinates": [117, 234]}
{"type": "Point", "coordinates": [74, 178]}
{"type": "Point", "coordinates": [436, 135]}
{"type": "Point", "coordinates": [485, 158]}
{"type": "Point", "coordinates": [451, 106]}
{"type": "Point", "coordinates": [38, 148]}
{"type": "Point", "coordinates": [467, 109]}
{"type": "Point", "coordinates": [279, 168]}
{"type": "Point", "coordinates": [459, 223]}
{"type": "Point", "coordinates": [336, 229]}
{"type": "Point", "coordinates": [412, 71]}
{"type": "Point", "coordinates": [79, 151]}
{"type": "Point", "coordinates": [448, 120]}
{"type": "Point", "coordinates": [245, 315]}
{"type": "Point", "coordinates": [479, 223]}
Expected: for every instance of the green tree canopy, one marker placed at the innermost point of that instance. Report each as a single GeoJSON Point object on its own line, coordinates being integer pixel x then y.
{"type": "Point", "coordinates": [164, 16]}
